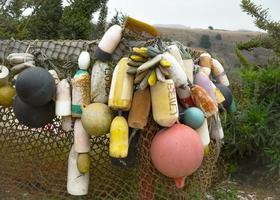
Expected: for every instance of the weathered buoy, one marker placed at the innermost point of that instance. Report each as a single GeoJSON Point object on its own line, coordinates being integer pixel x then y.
{"type": "Point", "coordinates": [63, 99]}
{"type": "Point", "coordinates": [164, 103]}
{"type": "Point", "coordinates": [203, 80]}
{"type": "Point", "coordinates": [81, 138]}
{"type": "Point", "coordinates": [96, 119]}
{"type": "Point", "coordinates": [219, 73]}
{"type": "Point", "coordinates": [77, 182]}
{"type": "Point", "coordinates": [7, 94]}
{"type": "Point", "coordinates": [55, 76]}
{"type": "Point", "coordinates": [80, 92]}
{"type": "Point", "coordinates": [101, 76]}
{"type": "Point", "coordinates": [205, 62]}
{"type": "Point", "coordinates": [108, 43]}
{"type": "Point", "coordinates": [177, 152]}
{"type": "Point", "coordinates": [192, 117]}
{"type": "Point", "coordinates": [203, 132]}
{"type": "Point", "coordinates": [35, 86]}
{"type": "Point", "coordinates": [140, 109]}
{"type": "Point", "coordinates": [4, 75]}
{"type": "Point", "coordinates": [121, 91]}
{"type": "Point", "coordinates": [33, 117]}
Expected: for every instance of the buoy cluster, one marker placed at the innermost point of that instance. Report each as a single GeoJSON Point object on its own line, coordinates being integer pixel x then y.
{"type": "Point", "coordinates": [182, 95]}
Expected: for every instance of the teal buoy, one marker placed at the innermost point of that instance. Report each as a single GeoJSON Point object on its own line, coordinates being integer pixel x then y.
{"type": "Point", "coordinates": [192, 117]}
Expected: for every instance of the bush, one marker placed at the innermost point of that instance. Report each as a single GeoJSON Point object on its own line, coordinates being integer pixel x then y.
{"type": "Point", "coordinates": [254, 129]}
{"type": "Point", "coordinates": [218, 36]}
{"type": "Point", "coordinates": [205, 42]}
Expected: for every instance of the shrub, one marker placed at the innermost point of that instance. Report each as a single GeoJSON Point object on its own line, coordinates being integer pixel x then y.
{"type": "Point", "coordinates": [205, 42]}
{"type": "Point", "coordinates": [218, 36]}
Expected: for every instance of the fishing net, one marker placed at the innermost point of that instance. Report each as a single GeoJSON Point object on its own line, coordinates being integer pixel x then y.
{"type": "Point", "coordinates": [33, 162]}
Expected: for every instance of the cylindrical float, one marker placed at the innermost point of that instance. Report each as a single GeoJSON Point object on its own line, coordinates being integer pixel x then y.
{"type": "Point", "coordinates": [81, 138]}
{"type": "Point", "coordinates": [77, 182]}
{"type": "Point", "coordinates": [219, 73]}
{"type": "Point", "coordinates": [63, 99]}
{"type": "Point", "coordinates": [101, 76]}
{"type": "Point", "coordinates": [203, 132]}
{"type": "Point", "coordinates": [80, 92]}
{"type": "Point", "coordinates": [108, 43]}
{"type": "Point", "coordinates": [164, 103]}
{"type": "Point", "coordinates": [121, 90]}
{"type": "Point", "coordinates": [140, 109]}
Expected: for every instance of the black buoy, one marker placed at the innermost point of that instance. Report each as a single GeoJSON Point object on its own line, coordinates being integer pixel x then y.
{"type": "Point", "coordinates": [227, 94]}
{"type": "Point", "coordinates": [35, 86]}
{"type": "Point", "coordinates": [33, 117]}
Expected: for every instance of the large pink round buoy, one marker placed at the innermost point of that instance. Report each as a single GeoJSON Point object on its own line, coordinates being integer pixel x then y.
{"type": "Point", "coordinates": [177, 152]}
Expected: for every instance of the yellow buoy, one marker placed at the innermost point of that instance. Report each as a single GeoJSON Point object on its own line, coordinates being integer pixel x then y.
{"type": "Point", "coordinates": [7, 94]}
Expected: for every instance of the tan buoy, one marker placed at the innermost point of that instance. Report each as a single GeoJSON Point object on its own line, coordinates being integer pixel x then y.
{"type": "Point", "coordinates": [81, 138]}
{"type": "Point", "coordinates": [205, 62]}
{"type": "Point", "coordinates": [219, 72]}
{"type": "Point", "coordinates": [4, 75]}
{"type": "Point", "coordinates": [63, 99]}
{"type": "Point", "coordinates": [77, 182]}
{"type": "Point", "coordinates": [164, 103]}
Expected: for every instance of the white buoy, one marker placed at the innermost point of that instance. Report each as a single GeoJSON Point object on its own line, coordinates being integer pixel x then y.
{"type": "Point", "coordinates": [81, 138]}
{"type": "Point", "coordinates": [203, 132]}
{"type": "Point", "coordinates": [4, 75]}
{"type": "Point", "coordinates": [84, 60]}
{"type": "Point", "coordinates": [77, 183]}
{"type": "Point", "coordinates": [63, 98]}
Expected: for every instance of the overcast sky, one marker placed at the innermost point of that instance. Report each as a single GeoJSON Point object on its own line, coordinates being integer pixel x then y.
{"type": "Point", "coordinates": [222, 14]}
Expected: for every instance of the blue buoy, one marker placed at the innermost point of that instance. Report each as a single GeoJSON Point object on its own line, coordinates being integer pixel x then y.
{"type": "Point", "coordinates": [192, 117]}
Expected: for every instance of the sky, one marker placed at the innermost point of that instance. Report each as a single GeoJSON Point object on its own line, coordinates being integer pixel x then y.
{"type": "Point", "coordinates": [221, 14]}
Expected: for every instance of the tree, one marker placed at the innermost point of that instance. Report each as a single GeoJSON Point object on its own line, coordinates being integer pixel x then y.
{"type": "Point", "coordinates": [205, 42]}
{"type": "Point", "coordinates": [211, 28]}
{"type": "Point", "coordinates": [101, 24]}
{"type": "Point", "coordinates": [44, 23]}
{"type": "Point", "coordinates": [262, 21]}
{"type": "Point", "coordinates": [118, 18]}
{"type": "Point", "coordinates": [76, 20]}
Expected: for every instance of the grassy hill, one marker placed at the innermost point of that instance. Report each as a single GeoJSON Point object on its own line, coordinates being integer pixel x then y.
{"type": "Point", "coordinates": [222, 46]}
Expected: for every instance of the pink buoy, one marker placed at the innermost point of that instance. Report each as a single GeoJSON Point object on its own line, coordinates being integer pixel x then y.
{"type": "Point", "coordinates": [177, 152]}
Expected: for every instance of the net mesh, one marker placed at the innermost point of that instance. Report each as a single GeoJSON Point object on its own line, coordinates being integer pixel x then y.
{"type": "Point", "coordinates": [33, 162]}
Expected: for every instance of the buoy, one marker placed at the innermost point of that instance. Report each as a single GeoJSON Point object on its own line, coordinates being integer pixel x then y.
{"type": "Point", "coordinates": [80, 92]}
{"type": "Point", "coordinates": [77, 182]}
{"type": "Point", "coordinates": [7, 94]}
{"type": "Point", "coordinates": [203, 101]}
{"type": "Point", "coordinates": [81, 138]}
{"type": "Point", "coordinates": [4, 75]}
{"type": "Point", "coordinates": [108, 43]}
{"type": "Point", "coordinates": [192, 117]}
{"type": "Point", "coordinates": [164, 103]}
{"type": "Point", "coordinates": [177, 152]}
{"type": "Point", "coordinates": [33, 117]}
{"type": "Point", "coordinates": [83, 163]}
{"type": "Point", "coordinates": [203, 80]}
{"type": "Point", "coordinates": [205, 62]}
{"type": "Point", "coordinates": [140, 109]}
{"type": "Point", "coordinates": [203, 133]}
{"type": "Point", "coordinates": [84, 60]}
{"type": "Point", "coordinates": [35, 86]}
{"type": "Point", "coordinates": [96, 119]}
{"type": "Point", "coordinates": [121, 91]}
{"type": "Point", "coordinates": [119, 138]}
{"type": "Point", "coordinates": [227, 94]}
{"type": "Point", "coordinates": [63, 99]}
{"type": "Point", "coordinates": [101, 76]}
{"type": "Point", "coordinates": [219, 73]}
